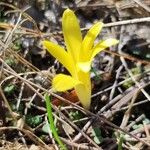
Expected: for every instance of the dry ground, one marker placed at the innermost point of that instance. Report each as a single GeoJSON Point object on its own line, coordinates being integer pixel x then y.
{"type": "Point", "coordinates": [119, 117]}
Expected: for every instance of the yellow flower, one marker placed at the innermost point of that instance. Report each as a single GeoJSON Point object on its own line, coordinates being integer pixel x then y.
{"type": "Point", "coordinates": [78, 57]}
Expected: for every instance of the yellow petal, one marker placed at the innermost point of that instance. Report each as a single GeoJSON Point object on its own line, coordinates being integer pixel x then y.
{"type": "Point", "coordinates": [72, 33]}
{"type": "Point", "coordinates": [85, 66]}
{"type": "Point", "coordinates": [60, 54]}
{"type": "Point", "coordinates": [84, 95]}
{"type": "Point", "coordinates": [90, 37]}
{"type": "Point", "coordinates": [84, 90]}
{"type": "Point", "coordinates": [103, 45]}
{"type": "Point", "coordinates": [63, 82]}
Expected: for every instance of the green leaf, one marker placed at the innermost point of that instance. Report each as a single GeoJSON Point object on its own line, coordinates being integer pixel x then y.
{"type": "Point", "coordinates": [120, 142]}
{"type": "Point", "coordinates": [96, 132]}
{"type": "Point", "coordinates": [75, 115]}
{"type": "Point", "coordinates": [33, 121]}
{"type": "Point", "coordinates": [51, 121]}
{"type": "Point", "coordinates": [45, 128]}
{"type": "Point", "coordinates": [146, 121]}
{"type": "Point", "coordinates": [97, 77]}
{"type": "Point", "coordinates": [9, 89]}
{"type": "Point", "coordinates": [17, 45]}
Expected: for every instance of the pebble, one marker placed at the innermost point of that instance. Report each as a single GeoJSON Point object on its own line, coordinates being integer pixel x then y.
{"type": "Point", "coordinates": [50, 16]}
{"type": "Point", "coordinates": [26, 42]}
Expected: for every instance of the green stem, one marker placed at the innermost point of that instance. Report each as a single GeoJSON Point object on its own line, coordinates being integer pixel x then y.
{"type": "Point", "coordinates": [51, 121]}
{"type": "Point", "coordinates": [120, 142]}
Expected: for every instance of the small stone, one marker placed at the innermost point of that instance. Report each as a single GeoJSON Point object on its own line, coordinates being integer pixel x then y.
{"type": "Point", "coordinates": [50, 16]}
{"type": "Point", "coordinates": [27, 42]}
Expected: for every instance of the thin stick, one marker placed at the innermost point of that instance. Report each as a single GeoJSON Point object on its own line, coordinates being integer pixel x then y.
{"type": "Point", "coordinates": [125, 22]}
{"type": "Point", "coordinates": [32, 136]}
{"type": "Point", "coordinates": [144, 6]}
